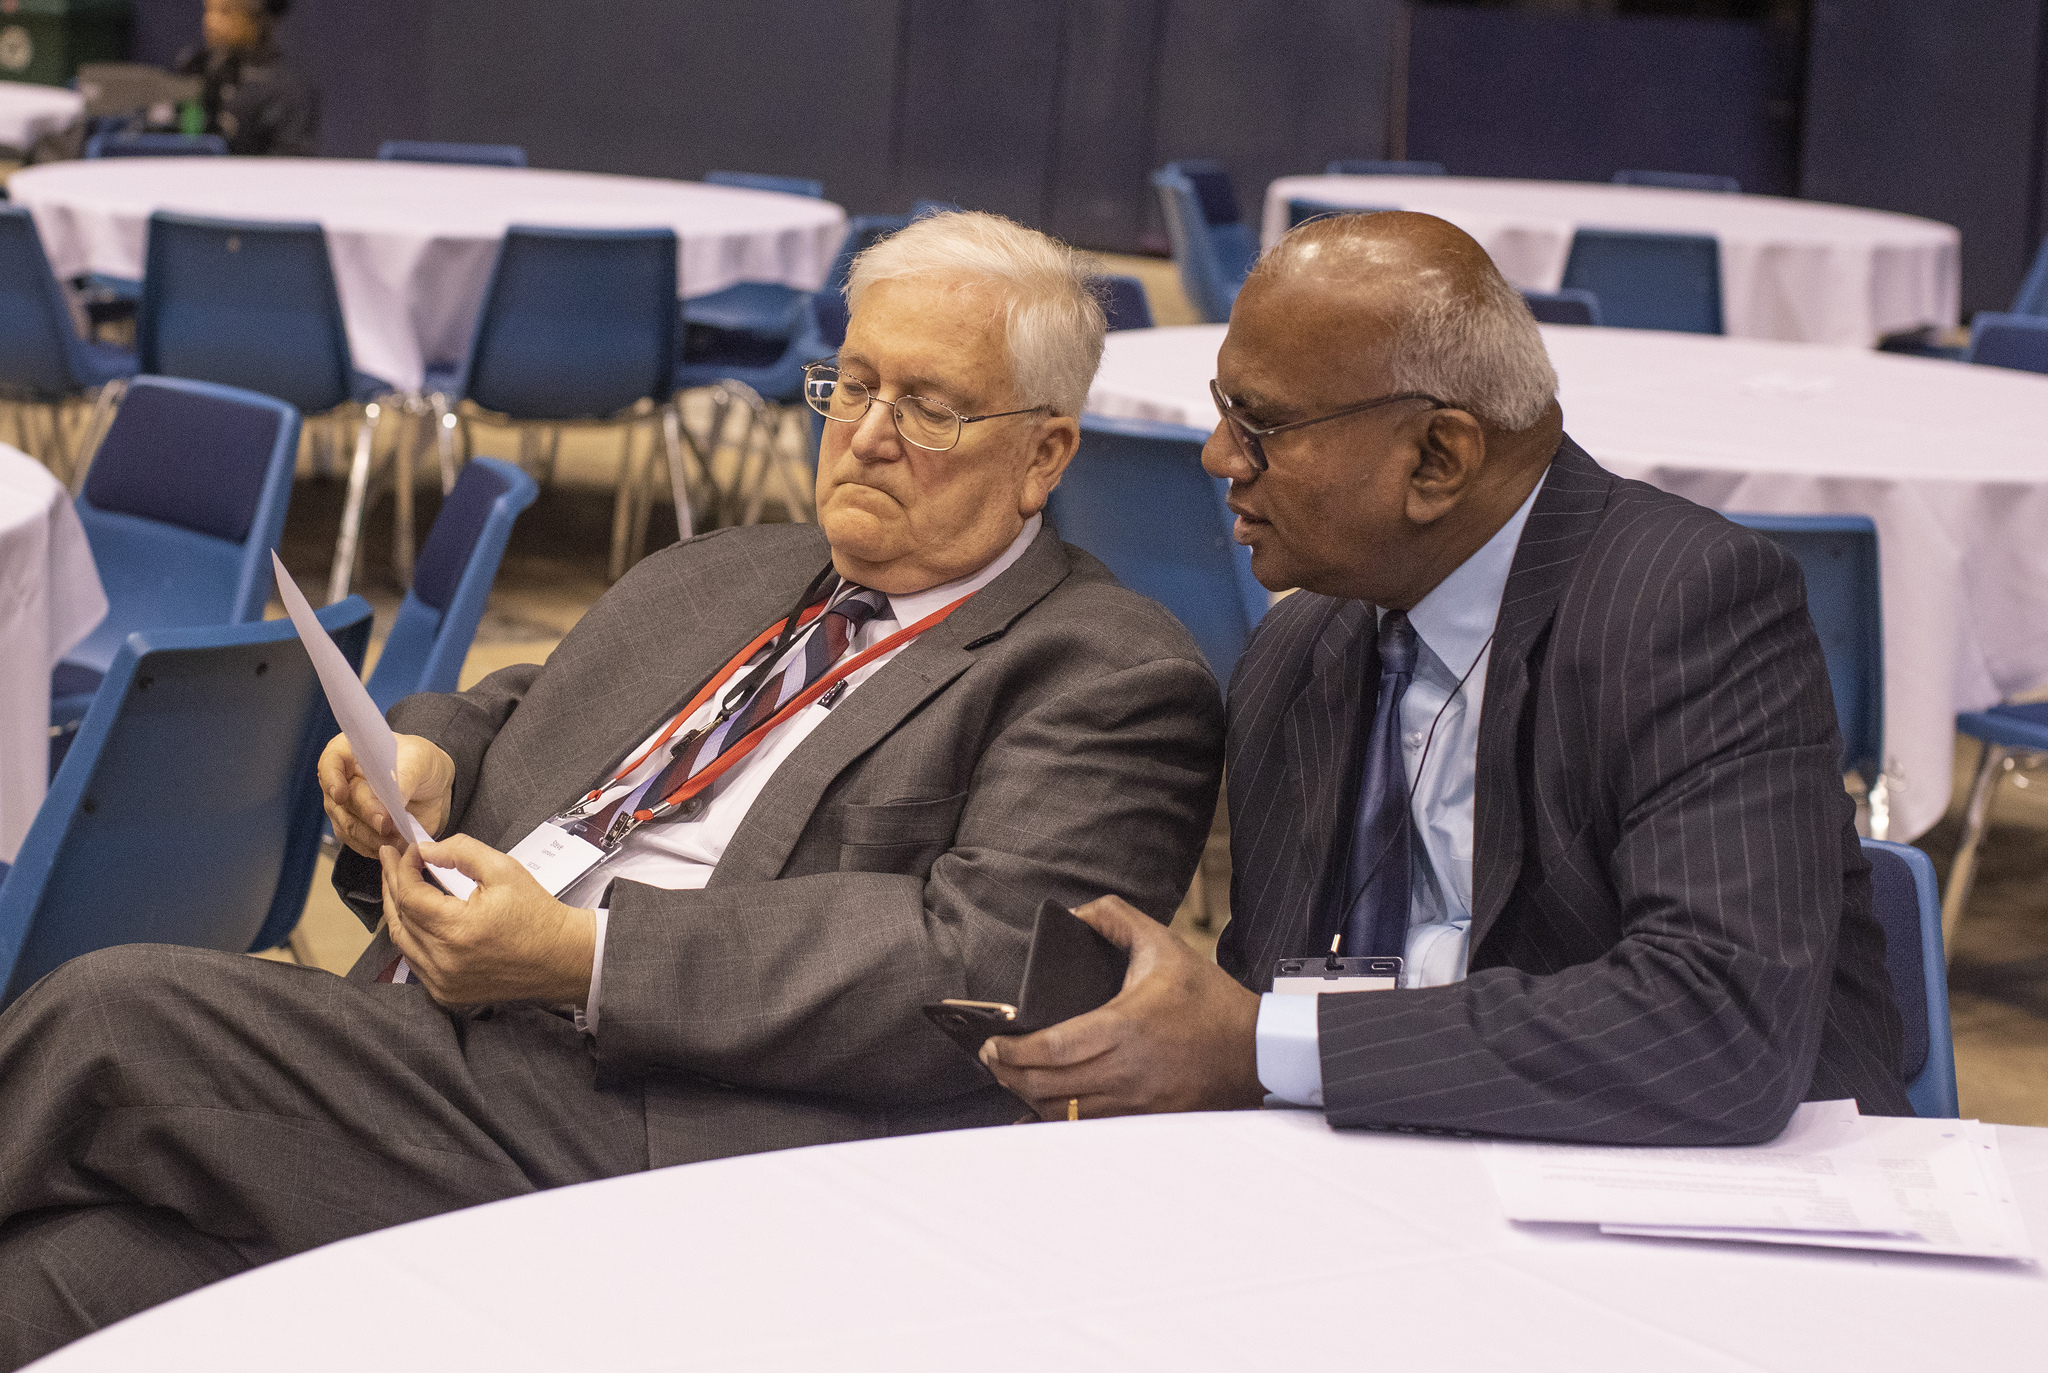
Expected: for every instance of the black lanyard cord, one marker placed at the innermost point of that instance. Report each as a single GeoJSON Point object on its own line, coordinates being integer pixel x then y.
{"type": "Point", "coordinates": [827, 583]}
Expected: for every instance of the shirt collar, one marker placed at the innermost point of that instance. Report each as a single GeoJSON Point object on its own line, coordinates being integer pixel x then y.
{"type": "Point", "coordinates": [914, 606]}
{"type": "Point", "coordinates": [1457, 617]}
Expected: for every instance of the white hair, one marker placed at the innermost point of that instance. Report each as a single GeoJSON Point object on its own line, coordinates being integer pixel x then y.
{"type": "Point", "coordinates": [1477, 350]}
{"type": "Point", "coordinates": [1054, 325]}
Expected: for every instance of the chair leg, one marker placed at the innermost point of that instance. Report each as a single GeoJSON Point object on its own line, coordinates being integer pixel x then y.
{"type": "Point", "coordinates": [444, 439]}
{"type": "Point", "coordinates": [346, 548]}
{"type": "Point", "coordinates": [404, 538]}
{"type": "Point", "coordinates": [672, 436]}
{"type": "Point", "coordinates": [1962, 874]}
{"type": "Point", "coordinates": [623, 502]}
{"type": "Point", "coordinates": [95, 429]}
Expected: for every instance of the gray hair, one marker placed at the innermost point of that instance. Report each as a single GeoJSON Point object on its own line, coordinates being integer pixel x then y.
{"type": "Point", "coordinates": [1478, 350]}
{"type": "Point", "coordinates": [1054, 325]}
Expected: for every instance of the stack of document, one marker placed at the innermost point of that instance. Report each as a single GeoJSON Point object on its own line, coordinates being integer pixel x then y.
{"type": "Point", "coordinates": [1833, 1178]}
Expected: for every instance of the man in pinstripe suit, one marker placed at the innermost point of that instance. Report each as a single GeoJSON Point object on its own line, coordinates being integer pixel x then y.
{"type": "Point", "coordinates": [1589, 722]}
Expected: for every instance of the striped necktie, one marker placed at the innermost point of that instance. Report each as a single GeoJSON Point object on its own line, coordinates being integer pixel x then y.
{"type": "Point", "coordinates": [1377, 924]}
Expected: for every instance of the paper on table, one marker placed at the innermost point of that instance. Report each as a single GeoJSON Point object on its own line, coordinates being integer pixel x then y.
{"type": "Point", "coordinates": [1945, 1174]}
{"type": "Point", "coordinates": [375, 746]}
{"type": "Point", "coordinates": [1819, 1175]}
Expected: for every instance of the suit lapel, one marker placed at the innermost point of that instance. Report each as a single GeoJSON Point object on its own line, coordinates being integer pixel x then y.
{"type": "Point", "coordinates": [1560, 525]}
{"type": "Point", "coordinates": [785, 806]}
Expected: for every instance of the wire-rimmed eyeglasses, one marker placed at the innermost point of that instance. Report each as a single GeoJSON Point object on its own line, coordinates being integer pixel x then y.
{"type": "Point", "coordinates": [1251, 439]}
{"type": "Point", "coordinates": [928, 424]}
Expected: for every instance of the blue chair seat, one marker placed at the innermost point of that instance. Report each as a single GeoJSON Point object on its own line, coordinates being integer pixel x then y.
{"type": "Point", "coordinates": [100, 363]}
{"type": "Point", "coordinates": [1564, 307]}
{"type": "Point", "coordinates": [2015, 726]}
{"type": "Point", "coordinates": [748, 307]}
{"type": "Point", "coordinates": [775, 370]}
{"type": "Point", "coordinates": [2007, 340]}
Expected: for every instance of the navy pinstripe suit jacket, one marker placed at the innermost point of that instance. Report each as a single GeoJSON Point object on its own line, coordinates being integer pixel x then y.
{"type": "Point", "coordinates": [1671, 932]}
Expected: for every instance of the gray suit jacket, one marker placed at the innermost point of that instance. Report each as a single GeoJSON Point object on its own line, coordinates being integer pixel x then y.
{"type": "Point", "coordinates": [1057, 736]}
{"type": "Point", "coordinates": [1671, 932]}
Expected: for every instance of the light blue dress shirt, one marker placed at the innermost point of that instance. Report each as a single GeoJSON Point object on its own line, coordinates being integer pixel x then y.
{"type": "Point", "coordinates": [1440, 744]}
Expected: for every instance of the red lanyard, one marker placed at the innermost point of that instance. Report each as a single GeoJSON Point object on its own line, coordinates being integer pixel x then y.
{"type": "Point", "coordinates": [727, 760]}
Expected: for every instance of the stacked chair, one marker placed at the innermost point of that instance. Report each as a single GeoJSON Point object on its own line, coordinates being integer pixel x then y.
{"type": "Point", "coordinates": [1212, 245]}
{"type": "Point", "coordinates": [44, 364]}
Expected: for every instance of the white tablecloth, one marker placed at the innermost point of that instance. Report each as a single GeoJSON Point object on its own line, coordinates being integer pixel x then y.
{"type": "Point", "coordinates": [28, 111]}
{"type": "Point", "coordinates": [413, 243]}
{"type": "Point", "coordinates": [1255, 1240]}
{"type": "Point", "coordinates": [1950, 460]}
{"type": "Point", "coordinates": [50, 598]}
{"type": "Point", "coordinates": [1790, 269]}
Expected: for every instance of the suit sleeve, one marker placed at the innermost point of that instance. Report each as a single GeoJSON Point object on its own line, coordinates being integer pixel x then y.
{"type": "Point", "coordinates": [1712, 781]}
{"type": "Point", "coordinates": [815, 983]}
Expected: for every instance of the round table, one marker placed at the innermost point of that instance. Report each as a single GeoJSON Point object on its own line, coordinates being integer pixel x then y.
{"type": "Point", "coordinates": [1949, 460]}
{"type": "Point", "coordinates": [1248, 1240]}
{"type": "Point", "coordinates": [1798, 270]}
{"type": "Point", "coordinates": [50, 598]}
{"type": "Point", "coordinates": [413, 243]}
{"type": "Point", "coordinates": [28, 111]}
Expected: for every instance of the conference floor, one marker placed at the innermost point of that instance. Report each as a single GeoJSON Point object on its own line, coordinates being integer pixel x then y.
{"type": "Point", "coordinates": [554, 568]}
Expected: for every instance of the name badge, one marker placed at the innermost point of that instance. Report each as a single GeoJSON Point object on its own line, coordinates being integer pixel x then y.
{"type": "Point", "coordinates": [556, 857]}
{"type": "Point", "coordinates": [1315, 976]}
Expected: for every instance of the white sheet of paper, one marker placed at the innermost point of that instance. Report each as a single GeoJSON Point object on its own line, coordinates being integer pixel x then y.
{"type": "Point", "coordinates": [376, 747]}
{"type": "Point", "coordinates": [1945, 1174]}
{"type": "Point", "coordinates": [1819, 1175]}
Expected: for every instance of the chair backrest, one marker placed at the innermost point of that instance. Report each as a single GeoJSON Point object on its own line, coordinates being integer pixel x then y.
{"type": "Point", "coordinates": [1300, 212]}
{"type": "Point", "coordinates": [762, 181]}
{"type": "Point", "coordinates": [1649, 280]}
{"type": "Point", "coordinates": [246, 304]}
{"type": "Point", "coordinates": [576, 323]}
{"type": "Point", "coordinates": [454, 154]}
{"type": "Point", "coordinates": [184, 501]}
{"type": "Point", "coordinates": [2017, 341]}
{"type": "Point", "coordinates": [1680, 181]}
{"type": "Point", "coordinates": [38, 344]}
{"type": "Point", "coordinates": [1123, 301]}
{"type": "Point", "coordinates": [123, 144]}
{"type": "Point", "coordinates": [1903, 899]}
{"type": "Point", "coordinates": [1213, 259]}
{"type": "Point", "coordinates": [1367, 166]}
{"type": "Point", "coordinates": [862, 233]}
{"type": "Point", "coordinates": [174, 812]}
{"type": "Point", "coordinates": [2033, 293]}
{"type": "Point", "coordinates": [451, 581]}
{"type": "Point", "coordinates": [1136, 497]}
{"type": "Point", "coordinates": [1837, 557]}
{"type": "Point", "coordinates": [1563, 307]}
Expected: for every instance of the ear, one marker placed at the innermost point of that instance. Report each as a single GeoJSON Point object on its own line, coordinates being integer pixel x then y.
{"type": "Point", "coordinates": [1451, 450]}
{"type": "Point", "coordinates": [1059, 438]}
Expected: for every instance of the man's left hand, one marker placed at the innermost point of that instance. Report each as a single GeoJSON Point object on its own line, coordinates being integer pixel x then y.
{"type": "Point", "coordinates": [510, 941]}
{"type": "Point", "coordinates": [1180, 1036]}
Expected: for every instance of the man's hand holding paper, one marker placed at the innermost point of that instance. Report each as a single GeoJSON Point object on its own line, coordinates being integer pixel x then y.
{"type": "Point", "coordinates": [509, 941]}
{"type": "Point", "coordinates": [425, 776]}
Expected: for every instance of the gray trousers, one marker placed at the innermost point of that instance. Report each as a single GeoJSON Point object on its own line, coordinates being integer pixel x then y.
{"type": "Point", "coordinates": [169, 1117]}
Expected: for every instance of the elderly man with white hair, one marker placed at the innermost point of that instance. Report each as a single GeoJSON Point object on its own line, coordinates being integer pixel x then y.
{"type": "Point", "coordinates": [780, 788]}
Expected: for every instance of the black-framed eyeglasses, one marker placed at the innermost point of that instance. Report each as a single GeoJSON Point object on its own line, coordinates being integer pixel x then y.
{"type": "Point", "coordinates": [1251, 438]}
{"type": "Point", "coordinates": [929, 424]}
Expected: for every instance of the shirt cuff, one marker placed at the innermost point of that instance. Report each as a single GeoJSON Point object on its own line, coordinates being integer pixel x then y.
{"type": "Point", "coordinates": [586, 1016]}
{"type": "Point", "coordinates": [1290, 1059]}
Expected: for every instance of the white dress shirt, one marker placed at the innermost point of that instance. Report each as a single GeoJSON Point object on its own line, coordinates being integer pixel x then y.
{"type": "Point", "coordinates": [1454, 639]}
{"type": "Point", "coordinates": [679, 854]}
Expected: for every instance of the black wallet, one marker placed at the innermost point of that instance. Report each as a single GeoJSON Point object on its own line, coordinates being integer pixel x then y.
{"type": "Point", "coordinates": [1070, 970]}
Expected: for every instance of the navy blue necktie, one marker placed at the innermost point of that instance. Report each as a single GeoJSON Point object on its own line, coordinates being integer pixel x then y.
{"type": "Point", "coordinates": [1377, 924]}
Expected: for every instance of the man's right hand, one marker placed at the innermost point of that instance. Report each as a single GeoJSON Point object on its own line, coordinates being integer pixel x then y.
{"type": "Point", "coordinates": [426, 777]}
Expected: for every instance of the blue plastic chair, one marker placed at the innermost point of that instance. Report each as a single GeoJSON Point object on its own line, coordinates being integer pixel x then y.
{"type": "Point", "coordinates": [2008, 340]}
{"type": "Point", "coordinates": [43, 361]}
{"type": "Point", "coordinates": [1300, 212]}
{"type": "Point", "coordinates": [1212, 245]}
{"type": "Point", "coordinates": [578, 327]}
{"type": "Point", "coordinates": [1649, 280]}
{"type": "Point", "coordinates": [2032, 297]}
{"type": "Point", "coordinates": [1366, 166]}
{"type": "Point", "coordinates": [765, 384]}
{"type": "Point", "coordinates": [252, 304]}
{"type": "Point", "coordinates": [452, 154]}
{"type": "Point", "coordinates": [1564, 307]}
{"type": "Point", "coordinates": [763, 181]}
{"type": "Point", "coordinates": [1902, 898]}
{"type": "Point", "coordinates": [451, 583]}
{"type": "Point", "coordinates": [1680, 181]}
{"type": "Point", "coordinates": [1124, 305]}
{"type": "Point", "coordinates": [1136, 497]}
{"type": "Point", "coordinates": [862, 233]}
{"type": "Point", "coordinates": [187, 812]}
{"type": "Point", "coordinates": [121, 144]}
{"type": "Point", "coordinates": [1837, 557]}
